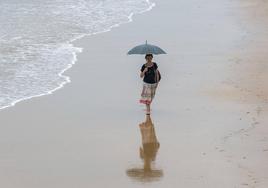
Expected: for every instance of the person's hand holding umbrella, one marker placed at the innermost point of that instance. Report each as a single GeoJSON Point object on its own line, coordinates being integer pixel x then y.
{"type": "Point", "coordinates": [149, 72]}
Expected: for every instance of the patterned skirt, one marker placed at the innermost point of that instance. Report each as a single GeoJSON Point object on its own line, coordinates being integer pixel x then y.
{"type": "Point", "coordinates": [148, 92]}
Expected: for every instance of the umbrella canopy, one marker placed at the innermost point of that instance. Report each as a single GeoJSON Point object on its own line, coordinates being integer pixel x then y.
{"type": "Point", "coordinates": [146, 49]}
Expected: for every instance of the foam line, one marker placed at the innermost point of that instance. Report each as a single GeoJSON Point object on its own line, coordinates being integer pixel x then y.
{"type": "Point", "coordinates": [78, 50]}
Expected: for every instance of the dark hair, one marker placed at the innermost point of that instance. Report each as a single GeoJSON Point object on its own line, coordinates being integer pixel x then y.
{"type": "Point", "coordinates": [148, 55]}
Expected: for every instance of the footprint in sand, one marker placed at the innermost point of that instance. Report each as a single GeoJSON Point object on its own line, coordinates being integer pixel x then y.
{"type": "Point", "coordinates": [250, 174]}
{"type": "Point", "coordinates": [259, 110]}
{"type": "Point", "coordinates": [264, 139]}
{"type": "Point", "coordinates": [235, 133]}
{"type": "Point", "coordinates": [255, 123]}
{"type": "Point", "coordinates": [229, 158]}
{"type": "Point", "coordinates": [220, 150]}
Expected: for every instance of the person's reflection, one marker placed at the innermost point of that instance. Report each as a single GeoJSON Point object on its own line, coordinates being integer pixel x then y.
{"type": "Point", "coordinates": [148, 152]}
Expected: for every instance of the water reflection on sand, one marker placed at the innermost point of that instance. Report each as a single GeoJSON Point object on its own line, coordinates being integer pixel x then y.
{"type": "Point", "coordinates": [147, 152]}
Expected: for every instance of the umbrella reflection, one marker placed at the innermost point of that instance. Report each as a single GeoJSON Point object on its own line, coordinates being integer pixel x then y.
{"type": "Point", "coordinates": [148, 152]}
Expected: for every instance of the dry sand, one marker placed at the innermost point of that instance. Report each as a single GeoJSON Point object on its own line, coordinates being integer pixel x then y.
{"type": "Point", "coordinates": [209, 114]}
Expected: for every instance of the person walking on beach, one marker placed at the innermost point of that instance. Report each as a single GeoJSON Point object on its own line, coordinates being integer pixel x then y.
{"type": "Point", "coordinates": [151, 76]}
{"type": "Point", "coordinates": [149, 72]}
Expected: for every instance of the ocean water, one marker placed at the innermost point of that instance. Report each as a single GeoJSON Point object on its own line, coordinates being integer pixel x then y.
{"type": "Point", "coordinates": [36, 36]}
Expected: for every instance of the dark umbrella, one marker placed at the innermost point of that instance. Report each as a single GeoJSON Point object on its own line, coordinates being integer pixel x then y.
{"type": "Point", "coordinates": [146, 49]}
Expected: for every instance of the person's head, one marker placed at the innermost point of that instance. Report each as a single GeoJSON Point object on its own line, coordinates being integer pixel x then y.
{"type": "Point", "coordinates": [149, 57]}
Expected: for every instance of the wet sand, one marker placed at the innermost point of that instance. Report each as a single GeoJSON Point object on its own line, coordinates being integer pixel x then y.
{"type": "Point", "coordinates": [209, 115]}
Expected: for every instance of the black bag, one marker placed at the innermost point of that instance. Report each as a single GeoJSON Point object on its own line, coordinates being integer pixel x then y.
{"type": "Point", "coordinates": [157, 76]}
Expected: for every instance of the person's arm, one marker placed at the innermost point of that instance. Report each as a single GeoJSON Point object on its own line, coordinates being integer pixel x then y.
{"type": "Point", "coordinates": [143, 72]}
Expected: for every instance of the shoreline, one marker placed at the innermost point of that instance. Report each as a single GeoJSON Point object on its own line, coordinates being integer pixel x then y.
{"type": "Point", "coordinates": [75, 52]}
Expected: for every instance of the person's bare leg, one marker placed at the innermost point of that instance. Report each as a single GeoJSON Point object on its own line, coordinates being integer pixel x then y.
{"type": "Point", "coordinates": [147, 109]}
{"type": "Point", "coordinates": [148, 120]}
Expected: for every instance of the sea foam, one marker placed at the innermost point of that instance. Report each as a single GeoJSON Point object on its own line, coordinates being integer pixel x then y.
{"type": "Point", "coordinates": [36, 40]}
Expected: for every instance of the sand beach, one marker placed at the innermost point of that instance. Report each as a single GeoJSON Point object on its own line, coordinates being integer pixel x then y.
{"type": "Point", "coordinates": [209, 114]}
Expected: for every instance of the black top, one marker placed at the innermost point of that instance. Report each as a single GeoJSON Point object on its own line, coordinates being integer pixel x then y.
{"type": "Point", "coordinates": [149, 76]}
